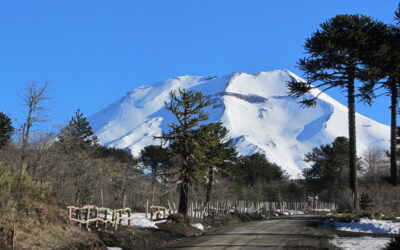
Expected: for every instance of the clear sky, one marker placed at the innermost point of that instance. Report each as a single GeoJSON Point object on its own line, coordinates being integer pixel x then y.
{"type": "Point", "coordinates": [93, 52]}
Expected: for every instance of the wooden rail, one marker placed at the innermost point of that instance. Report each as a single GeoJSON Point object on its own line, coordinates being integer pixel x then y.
{"type": "Point", "coordinates": [203, 209]}
{"type": "Point", "coordinates": [90, 214]}
{"type": "Point", "coordinates": [159, 212]}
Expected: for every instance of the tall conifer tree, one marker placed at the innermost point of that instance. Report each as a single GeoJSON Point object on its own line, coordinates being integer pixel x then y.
{"type": "Point", "coordinates": [333, 61]}
{"type": "Point", "coordinates": [185, 138]}
{"type": "Point", "coordinates": [219, 153]}
{"type": "Point", "coordinates": [78, 133]}
{"type": "Point", "coordinates": [383, 66]}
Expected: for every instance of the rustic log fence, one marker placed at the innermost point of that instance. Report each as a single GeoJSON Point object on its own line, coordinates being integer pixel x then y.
{"type": "Point", "coordinates": [205, 209]}
{"type": "Point", "coordinates": [90, 214]}
{"type": "Point", "coordinates": [101, 216]}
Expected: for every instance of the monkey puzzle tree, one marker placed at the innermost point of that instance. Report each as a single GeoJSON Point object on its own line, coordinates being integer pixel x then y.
{"type": "Point", "coordinates": [219, 152]}
{"type": "Point", "coordinates": [384, 74]}
{"type": "Point", "coordinates": [334, 61]}
{"type": "Point", "coordinates": [185, 138]}
{"type": "Point", "coordinates": [78, 134]}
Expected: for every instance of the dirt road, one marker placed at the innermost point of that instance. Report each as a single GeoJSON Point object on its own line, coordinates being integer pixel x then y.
{"type": "Point", "coordinates": [295, 232]}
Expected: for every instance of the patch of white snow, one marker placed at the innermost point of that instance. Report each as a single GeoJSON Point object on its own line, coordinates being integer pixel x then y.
{"type": "Point", "coordinates": [198, 225]}
{"type": "Point", "coordinates": [368, 226]}
{"type": "Point", "coordinates": [359, 243]}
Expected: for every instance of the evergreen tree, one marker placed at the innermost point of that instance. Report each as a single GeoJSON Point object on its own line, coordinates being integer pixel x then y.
{"type": "Point", "coordinates": [78, 134]}
{"type": "Point", "coordinates": [384, 73]}
{"type": "Point", "coordinates": [263, 178]}
{"type": "Point", "coordinates": [6, 129]}
{"type": "Point", "coordinates": [329, 169]}
{"type": "Point", "coordinates": [219, 153]}
{"type": "Point", "coordinates": [117, 154]}
{"type": "Point", "coordinates": [185, 138]}
{"type": "Point", "coordinates": [158, 159]}
{"type": "Point", "coordinates": [334, 62]}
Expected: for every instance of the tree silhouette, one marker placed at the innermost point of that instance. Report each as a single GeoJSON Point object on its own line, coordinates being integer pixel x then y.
{"type": "Point", "coordinates": [384, 74]}
{"type": "Point", "coordinates": [334, 61]}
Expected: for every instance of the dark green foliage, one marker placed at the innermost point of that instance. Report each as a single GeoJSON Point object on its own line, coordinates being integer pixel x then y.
{"type": "Point", "coordinates": [220, 153]}
{"type": "Point", "coordinates": [365, 201]}
{"type": "Point", "coordinates": [158, 159]}
{"type": "Point", "coordinates": [118, 155]}
{"type": "Point", "coordinates": [335, 60]}
{"type": "Point", "coordinates": [394, 244]}
{"type": "Point", "coordinates": [6, 129]}
{"type": "Point", "coordinates": [328, 174]}
{"type": "Point", "coordinates": [397, 14]}
{"type": "Point", "coordinates": [78, 134]}
{"type": "Point", "coordinates": [294, 190]}
{"type": "Point", "coordinates": [256, 168]}
{"type": "Point", "coordinates": [383, 65]}
{"type": "Point", "coordinates": [155, 156]}
{"type": "Point", "coordinates": [334, 54]}
{"type": "Point", "coordinates": [186, 138]}
{"type": "Point", "coordinates": [256, 173]}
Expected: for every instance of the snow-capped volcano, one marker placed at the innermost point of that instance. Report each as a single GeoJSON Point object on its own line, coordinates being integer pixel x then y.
{"type": "Point", "coordinates": [256, 109]}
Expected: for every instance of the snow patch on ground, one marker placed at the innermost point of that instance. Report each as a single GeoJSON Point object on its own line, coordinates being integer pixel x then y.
{"type": "Point", "coordinates": [367, 226]}
{"type": "Point", "coordinates": [114, 248]}
{"type": "Point", "coordinates": [139, 220]}
{"type": "Point", "coordinates": [295, 212]}
{"type": "Point", "coordinates": [359, 243]}
{"type": "Point", "coordinates": [198, 225]}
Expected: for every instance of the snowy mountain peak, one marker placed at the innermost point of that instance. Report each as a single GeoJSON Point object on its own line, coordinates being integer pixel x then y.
{"type": "Point", "coordinates": [256, 109]}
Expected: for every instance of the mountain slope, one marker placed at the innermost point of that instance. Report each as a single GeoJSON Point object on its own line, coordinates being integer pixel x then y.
{"type": "Point", "coordinates": [256, 109]}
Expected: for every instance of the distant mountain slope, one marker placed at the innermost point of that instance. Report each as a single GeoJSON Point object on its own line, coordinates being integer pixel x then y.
{"type": "Point", "coordinates": [256, 109]}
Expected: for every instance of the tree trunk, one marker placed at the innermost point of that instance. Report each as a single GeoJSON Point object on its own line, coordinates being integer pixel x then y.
{"type": "Point", "coordinates": [352, 142]}
{"type": "Point", "coordinates": [209, 184]}
{"type": "Point", "coordinates": [393, 134]}
{"type": "Point", "coordinates": [183, 198]}
{"type": "Point", "coordinates": [153, 183]}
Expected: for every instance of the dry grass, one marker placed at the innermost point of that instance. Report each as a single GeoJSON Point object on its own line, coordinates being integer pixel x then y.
{"type": "Point", "coordinates": [45, 227]}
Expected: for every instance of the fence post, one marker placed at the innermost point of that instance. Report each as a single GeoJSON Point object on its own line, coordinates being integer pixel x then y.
{"type": "Point", "coordinates": [147, 207]}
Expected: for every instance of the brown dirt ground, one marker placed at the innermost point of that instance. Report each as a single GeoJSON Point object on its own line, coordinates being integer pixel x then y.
{"type": "Point", "coordinates": [46, 227]}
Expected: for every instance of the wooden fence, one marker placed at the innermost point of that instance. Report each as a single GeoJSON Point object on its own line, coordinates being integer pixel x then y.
{"type": "Point", "coordinates": [203, 209]}
{"type": "Point", "coordinates": [90, 214]}
{"type": "Point", "coordinates": [97, 216]}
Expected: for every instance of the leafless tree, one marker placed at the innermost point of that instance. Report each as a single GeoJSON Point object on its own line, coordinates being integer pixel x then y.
{"type": "Point", "coordinates": [33, 97]}
{"type": "Point", "coordinates": [375, 163]}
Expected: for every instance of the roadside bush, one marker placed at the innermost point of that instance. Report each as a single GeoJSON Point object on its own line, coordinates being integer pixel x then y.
{"type": "Point", "coordinates": [365, 201]}
{"type": "Point", "coordinates": [17, 186]}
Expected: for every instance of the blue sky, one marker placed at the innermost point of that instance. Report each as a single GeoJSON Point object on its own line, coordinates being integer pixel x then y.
{"type": "Point", "coordinates": [93, 52]}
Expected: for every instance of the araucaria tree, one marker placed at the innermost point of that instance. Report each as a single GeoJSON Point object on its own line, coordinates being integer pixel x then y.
{"type": "Point", "coordinates": [6, 129]}
{"type": "Point", "coordinates": [384, 74]}
{"type": "Point", "coordinates": [185, 138]}
{"type": "Point", "coordinates": [220, 153]}
{"type": "Point", "coordinates": [334, 61]}
{"type": "Point", "coordinates": [78, 133]}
